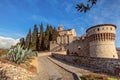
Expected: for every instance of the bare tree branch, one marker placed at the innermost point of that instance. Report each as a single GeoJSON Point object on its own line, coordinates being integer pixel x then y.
{"type": "Point", "coordinates": [84, 8]}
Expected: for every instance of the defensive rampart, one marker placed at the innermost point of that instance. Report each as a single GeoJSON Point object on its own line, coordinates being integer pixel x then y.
{"type": "Point", "coordinates": [107, 65]}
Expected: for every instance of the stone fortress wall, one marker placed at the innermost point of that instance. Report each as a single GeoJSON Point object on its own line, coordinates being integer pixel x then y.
{"type": "Point", "coordinates": [99, 41]}
{"type": "Point", "coordinates": [95, 49]}
{"type": "Point", "coordinates": [102, 41]}
{"type": "Point", "coordinates": [64, 38]}
{"type": "Point", "coordinates": [118, 51]}
{"type": "Point", "coordinates": [106, 65]}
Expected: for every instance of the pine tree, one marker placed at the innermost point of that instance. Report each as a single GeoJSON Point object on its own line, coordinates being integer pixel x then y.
{"type": "Point", "coordinates": [34, 44]}
{"type": "Point", "coordinates": [28, 40]}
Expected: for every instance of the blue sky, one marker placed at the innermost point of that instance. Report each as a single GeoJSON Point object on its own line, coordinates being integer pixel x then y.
{"type": "Point", "coordinates": [17, 16]}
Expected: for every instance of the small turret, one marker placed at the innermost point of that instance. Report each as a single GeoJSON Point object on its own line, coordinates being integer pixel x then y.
{"type": "Point", "coordinates": [60, 28]}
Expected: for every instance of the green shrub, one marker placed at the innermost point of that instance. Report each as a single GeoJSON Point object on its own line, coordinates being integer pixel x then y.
{"type": "Point", "coordinates": [94, 77]}
{"type": "Point", "coordinates": [112, 78]}
{"type": "Point", "coordinates": [83, 78]}
{"type": "Point", "coordinates": [20, 55]}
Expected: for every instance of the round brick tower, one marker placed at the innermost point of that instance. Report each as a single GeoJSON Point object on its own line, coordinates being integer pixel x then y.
{"type": "Point", "coordinates": [102, 41]}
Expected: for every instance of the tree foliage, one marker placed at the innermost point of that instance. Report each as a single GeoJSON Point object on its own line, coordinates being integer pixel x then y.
{"type": "Point", "coordinates": [40, 41]}
{"type": "Point", "coordinates": [28, 39]}
{"type": "Point", "coordinates": [46, 38]}
{"type": "Point", "coordinates": [86, 7]}
{"type": "Point", "coordinates": [55, 34]}
{"type": "Point", "coordinates": [41, 37]}
{"type": "Point", "coordinates": [22, 42]}
{"type": "Point", "coordinates": [20, 55]}
{"type": "Point", "coordinates": [34, 44]}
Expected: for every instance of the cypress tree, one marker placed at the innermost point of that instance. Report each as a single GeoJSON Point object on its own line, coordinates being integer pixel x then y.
{"type": "Point", "coordinates": [22, 41]}
{"type": "Point", "coordinates": [54, 34]}
{"type": "Point", "coordinates": [40, 41]}
{"type": "Point", "coordinates": [34, 44]}
{"type": "Point", "coordinates": [46, 38]}
{"type": "Point", "coordinates": [50, 33]}
{"type": "Point", "coordinates": [41, 37]}
{"type": "Point", "coordinates": [28, 39]}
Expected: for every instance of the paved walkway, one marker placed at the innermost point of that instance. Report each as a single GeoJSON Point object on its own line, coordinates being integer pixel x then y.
{"type": "Point", "coordinates": [50, 71]}
{"type": "Point", "coordinates": [79, 70]}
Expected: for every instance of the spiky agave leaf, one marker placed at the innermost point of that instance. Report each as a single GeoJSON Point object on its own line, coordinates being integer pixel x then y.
{"type": "Point", "coordinates": [19, 55]}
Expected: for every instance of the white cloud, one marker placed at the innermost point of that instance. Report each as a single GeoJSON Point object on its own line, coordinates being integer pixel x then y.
{"type": "Point", "coordinates": [7, 42]}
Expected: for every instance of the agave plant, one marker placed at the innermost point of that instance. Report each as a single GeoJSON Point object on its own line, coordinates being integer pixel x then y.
{"type": "Point", "coordinates": [20, 55]}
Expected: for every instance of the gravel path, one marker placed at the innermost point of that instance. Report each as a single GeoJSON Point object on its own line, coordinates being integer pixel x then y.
{"type": "Point", "coordinates": [50, 71]}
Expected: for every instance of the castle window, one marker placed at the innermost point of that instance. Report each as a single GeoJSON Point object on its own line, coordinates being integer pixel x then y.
{"type": "Point", "coordinates": [78, 47]}
{"type": "Point", "coordinates": [111, 28]}
{"type": "Point", "coordinates": [98, 29]}
{"type": "Point", "coordinates": [113, 56]}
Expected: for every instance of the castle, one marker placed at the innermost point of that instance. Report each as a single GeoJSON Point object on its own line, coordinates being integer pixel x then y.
{"type": "Point", "coordinates": [64, 38]}
{"type": "Point", "coordinates": [99, 41]}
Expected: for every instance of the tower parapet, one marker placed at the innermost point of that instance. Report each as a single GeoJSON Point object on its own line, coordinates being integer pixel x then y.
{"type": "Point", "coordinates": [102, 41]}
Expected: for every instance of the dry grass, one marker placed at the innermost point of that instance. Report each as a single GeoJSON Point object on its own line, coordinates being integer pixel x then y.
{"type": "Point", "coordinates": [97, 77]}
{"type": "Point", "coordinates": [31, 68]}
{"type": "Point", "coordinates": [33, 65]}
{"type": "Point", "coordinates": [3, 51]}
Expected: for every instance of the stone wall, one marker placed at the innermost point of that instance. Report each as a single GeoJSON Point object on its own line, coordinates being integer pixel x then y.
{"type": "Point", "coordinates": [53, 45]}
{"type": "Point", "coordinates": [15, 72]}
{"type": "Point", "coordinates": [79, 47]}
{"type": "Point", "coordinates": [118, 52]}
{"type": "Point", "coordinates": [102, 28]}
{"type": "Point", "coordinates": [99, 41]}
{"type": "Point", "coordinates": [64, 37]}
{"type": "Point", "coordinates": [102, 41]}
{"type": "Point", "coordinates": [106, 65]}
{"type": "Point", "coordinates": [103, 49]}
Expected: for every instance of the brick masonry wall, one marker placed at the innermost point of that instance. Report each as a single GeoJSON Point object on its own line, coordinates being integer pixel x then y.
{"type": "Point", "coordinates": [107, 65]}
